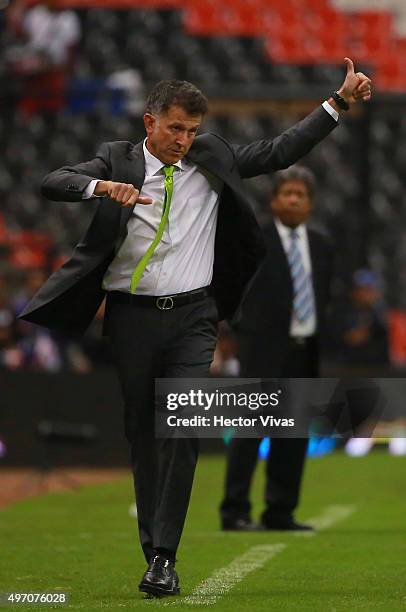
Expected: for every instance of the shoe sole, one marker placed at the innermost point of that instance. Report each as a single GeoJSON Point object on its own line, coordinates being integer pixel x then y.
{"type": "Point", "coordinates": [156, 591]}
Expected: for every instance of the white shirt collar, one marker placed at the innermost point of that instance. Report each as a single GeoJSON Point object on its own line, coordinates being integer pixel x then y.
{"type": "Point", "coordinates": [152, 164]}
{"type": "Point", "coordinates": [285, 232]}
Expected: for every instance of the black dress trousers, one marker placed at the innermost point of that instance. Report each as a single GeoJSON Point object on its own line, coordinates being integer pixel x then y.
{"type": "Point", "coordinates": [149, 343]}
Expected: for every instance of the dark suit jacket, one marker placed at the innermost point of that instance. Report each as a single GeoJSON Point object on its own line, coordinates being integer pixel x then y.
{"type": "Point", "coordinates": [265, 313]}
{"type": "Point", "coordinates": [72, 295]}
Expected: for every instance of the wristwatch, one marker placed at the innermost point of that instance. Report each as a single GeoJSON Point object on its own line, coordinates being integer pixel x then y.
{"type": "Point", "coordinates": [340, 101]}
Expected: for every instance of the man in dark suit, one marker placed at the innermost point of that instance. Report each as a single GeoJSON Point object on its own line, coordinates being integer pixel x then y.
{"type": "Point", "coordinates": [278, 336]}
{"type": "Point", "coordinates": [173, 243]}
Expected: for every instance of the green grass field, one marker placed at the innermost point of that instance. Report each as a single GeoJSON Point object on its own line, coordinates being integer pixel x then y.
{"type": "Point", "coordinates": [86, 544]}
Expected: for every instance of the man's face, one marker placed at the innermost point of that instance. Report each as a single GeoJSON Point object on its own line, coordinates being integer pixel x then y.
{"type": "Point", "coordinates": [292, 203]}
{"type": "Point", "coordinates": [171, 134]}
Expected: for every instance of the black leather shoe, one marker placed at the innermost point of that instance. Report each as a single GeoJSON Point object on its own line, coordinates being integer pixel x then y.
{"type": "Point", "coordinates": [160, 579]}
{"type": "Point", "coordinates": [240, 524]}
{"type": "Point", "coordinates": [286, 525]}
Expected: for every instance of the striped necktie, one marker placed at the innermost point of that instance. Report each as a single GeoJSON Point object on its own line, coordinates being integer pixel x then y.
{"type": "Point", "coordinates": [303, 296]}
{"type": "Point", "coordinates": [142, 264]}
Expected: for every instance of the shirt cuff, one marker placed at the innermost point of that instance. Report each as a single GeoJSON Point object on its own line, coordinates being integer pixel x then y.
{"type": "Point", "coordinates": [331, 111]}
{"type": "Point", "coordinates": [89, 191]}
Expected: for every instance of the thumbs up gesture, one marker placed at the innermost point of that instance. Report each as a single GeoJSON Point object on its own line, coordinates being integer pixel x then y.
{"type": "Point", "coordinates": [356, 86]}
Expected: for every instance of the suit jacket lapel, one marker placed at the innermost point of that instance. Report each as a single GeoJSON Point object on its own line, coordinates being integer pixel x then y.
{"type": "Point", "coordinates": [315, 251]}
{"type": "Point", "coordinates": [316, 255]}
{"type": "Point", "coordinates": [277, 250]}
{"type": "Point", "coordinates": [132, 171]}
{"type": "Point", "coordinates": [206, 160]}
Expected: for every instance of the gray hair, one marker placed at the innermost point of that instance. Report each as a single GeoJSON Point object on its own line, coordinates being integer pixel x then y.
{"type": "Point", "coordinates": [295, 173]}
{"type": "Point", "coordinates": [176, 93]}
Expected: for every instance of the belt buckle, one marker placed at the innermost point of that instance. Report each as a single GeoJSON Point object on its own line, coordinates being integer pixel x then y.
{"type": "Point", "coordinates": [164, 303]}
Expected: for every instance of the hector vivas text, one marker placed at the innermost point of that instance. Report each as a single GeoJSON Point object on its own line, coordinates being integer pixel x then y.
{"type": "Point", "coordinates": [218, 407]}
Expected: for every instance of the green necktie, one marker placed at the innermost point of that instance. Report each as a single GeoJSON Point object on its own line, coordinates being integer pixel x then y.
{"type": "Point", "coordinates": [142, 264]}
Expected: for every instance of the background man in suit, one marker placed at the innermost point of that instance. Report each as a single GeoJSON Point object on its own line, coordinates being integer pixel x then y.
{"type": "Point", "coordinates": [174, 243]}
{"type": "Point", "coordinates": [278, 336]}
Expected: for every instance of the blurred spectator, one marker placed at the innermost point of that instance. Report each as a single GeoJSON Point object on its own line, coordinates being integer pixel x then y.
{"type": "Point", "coordinates": [42, 58]}
{"type": "Point", "coordinates": [35, 278]}
{"type": "Point", "coordinates": [362, 326]}
{"type": "Point", "coordinates": [127, 91]}
{"type": "Point", "coordinates": [24, 345]}
{"type": "Point", "coordinates": [11, 356]}
{"type": "Point", "coordinates": [38, 347]}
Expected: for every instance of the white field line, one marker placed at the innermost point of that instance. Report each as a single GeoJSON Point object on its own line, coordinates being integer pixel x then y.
{"type": "Point", "coordinates": [224, 579]}
{"type": "Point", "coordinates": [331, 515]}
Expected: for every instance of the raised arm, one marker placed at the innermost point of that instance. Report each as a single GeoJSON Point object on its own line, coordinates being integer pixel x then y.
{"type": "Point", "coordinates": [264, 156]}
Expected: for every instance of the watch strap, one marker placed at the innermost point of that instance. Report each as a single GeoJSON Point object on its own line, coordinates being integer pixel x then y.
{"type": "Point", "coordinates": [340, 101]}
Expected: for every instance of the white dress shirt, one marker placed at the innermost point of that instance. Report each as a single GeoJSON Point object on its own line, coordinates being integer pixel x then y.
{"type": "Point", "coordinates": [183, 260]}
{"type": "Point", "coordinates": [297, 327]}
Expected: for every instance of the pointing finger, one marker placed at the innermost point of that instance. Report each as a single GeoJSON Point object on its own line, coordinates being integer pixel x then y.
{"type": "Point", "coordinates": [144, 200]}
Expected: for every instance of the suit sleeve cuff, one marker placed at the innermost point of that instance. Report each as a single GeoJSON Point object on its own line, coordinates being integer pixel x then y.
{"type": "Point", "coordinates": [331, 111]}
{"type": "Point", "coordinates": [89, 191]}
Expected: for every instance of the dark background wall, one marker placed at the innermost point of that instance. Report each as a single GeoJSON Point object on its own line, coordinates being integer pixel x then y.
{"type": "Point", "coordinates": [69, 403]}
{"type": "Point", "coordinates": [80, 414]}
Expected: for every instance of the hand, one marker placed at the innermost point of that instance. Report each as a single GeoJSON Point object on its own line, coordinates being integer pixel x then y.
{"type": "Point", "coordinates": [356, 86]}
{"type": "Point", "coordinates": [123, 193]}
